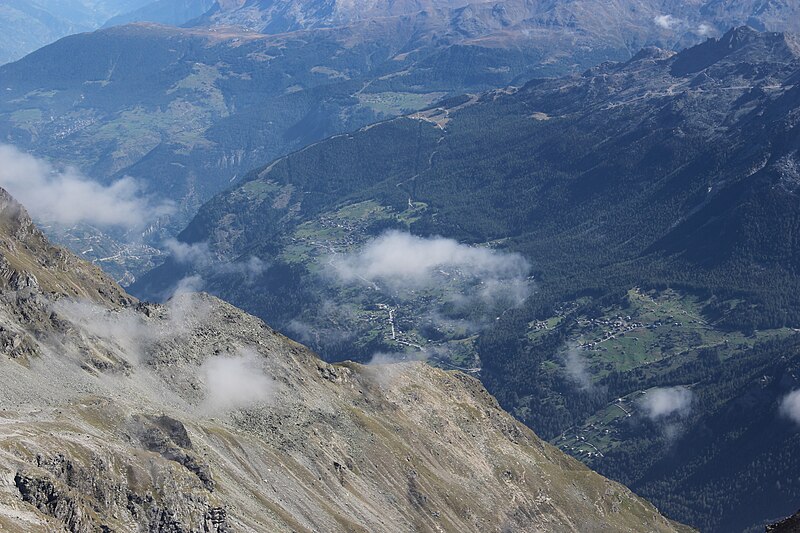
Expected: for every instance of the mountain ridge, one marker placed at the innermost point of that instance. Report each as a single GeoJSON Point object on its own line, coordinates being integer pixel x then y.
{"type": "Point", "coordinates": [30, 24]}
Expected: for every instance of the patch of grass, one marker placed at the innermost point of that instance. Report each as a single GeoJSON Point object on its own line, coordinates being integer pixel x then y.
{"type": "Point", "coordinates": [397, 103]}
{"type": "Point", "coordinates": [649, 327]}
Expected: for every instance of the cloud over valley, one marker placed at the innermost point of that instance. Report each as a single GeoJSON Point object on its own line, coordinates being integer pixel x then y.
{"type": "Point", "coordinates": [65, 196]}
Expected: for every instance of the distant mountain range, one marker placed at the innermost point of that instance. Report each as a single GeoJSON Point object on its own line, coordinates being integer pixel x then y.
{"type": "Point", "coordinates": [595, 22]}
{"type": "Point", "coordinates": [655, 201]}
{"type": "Point", "coordinates": [169, 12]}
{"type": "Point", "coordinates": [27, 25]}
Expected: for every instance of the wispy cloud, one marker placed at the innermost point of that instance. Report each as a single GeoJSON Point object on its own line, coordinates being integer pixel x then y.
{"type": "Point", "coordinates": [127, 330]}
{"type": "Point", "coordinates": [576, 368]}
{"type": "Point", "coordinates": [65, 196]}
{"type": "Point", "coordinates": [200, 257]}
{"type": "Point", "coordinates": [668, 407]}
{"type": "Point", "coordinates": [187, 285]}
{"type": "Point", "coordinates": [402, 262]}
{"type": "Point", "coordinates": [386, 368]}
{"type": "Point", "coordinates": [661, 403]}
{"type": "Point", "coordinates": [236, 382]}
{"type": "Point", "coordinates": [434, 284]}
{"type": "Point", "coordinates": [704, 30]}
{"type": "Point", "coordinates": [666, 22]}
{"type": "Point", "coordinates": [124, 329]}
{"type": "Point", "coordinates": [790, 406]}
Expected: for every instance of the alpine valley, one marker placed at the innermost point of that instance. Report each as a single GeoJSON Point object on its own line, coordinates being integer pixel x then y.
{"type": "Point", "coordinates": [647, 209]}
{"type": "Point", "coordinates": [186, 112]}
{"type": "Point", "coordinates": [494, 221]}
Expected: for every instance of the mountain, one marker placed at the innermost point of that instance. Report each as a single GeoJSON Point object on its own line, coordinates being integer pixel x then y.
{"type": "Point", "coordinates": [30, 24]}
{"type": "Point", "coordinates": [613, 253]}
{"type": "Point", "coordinates": [169, 12]}
{"type": "Point", "coordinates": [186, 112]}
{"type": "Point", "coordinates": [122, 111]}
{"type": "Point", "coordinates": [620, 24]}
{"type": "Point", "coordinates": [194, 416]}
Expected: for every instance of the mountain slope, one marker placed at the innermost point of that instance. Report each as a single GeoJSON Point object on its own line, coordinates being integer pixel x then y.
{"type": "Point", "coordinates": [29, 261]}
{"type": "Point", "coordinates": [662, 128]}
{"type": "Point", "coordinates": [227, 99]}
{"type": "Point", "coordinates": [124, 416]}
{"type": "Point", "coordinates": [28, 25]}
{"type": "Point", "coordinates": [655, 201]}
{"type": "Point", "coordinates": [169, 12]}
{"type": "Point", "coordinates": [186, 112]}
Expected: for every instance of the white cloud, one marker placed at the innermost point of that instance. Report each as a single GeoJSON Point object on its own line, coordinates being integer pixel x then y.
{"type": "Point", "coordinates": [187, 285]}
{"type": "Point", "coordinates": [387, 368]}
{"type": "Point", "coordinates": [404, 262]}
{"type": "Point", "coordinates": [790, 406]}
{"type": "Point", "coordinates": [231, 382]}
{"type": "Point", "coordinates": [199, 256]}
{"type": "Point", "coordinates": [236, 382]}
{"type": "Point", "coordinates": [663, 402]}
{"type": "Point", "coordinates": [123, 328]}
{"type": "Point", "coordinates": [428, 285]}
{"type": "Point", "coordinates": [666, 22]}
{"type": "Point", "coordinates": [576, 369]}
{"type": "Point", "coordinates": [127, 330]}
{"type": "Point", "coordinates": [65, 196]}
{"type": "Point", "coordinates": [194, 254]}
{"type": "Point", "coordinates": [704, 30]}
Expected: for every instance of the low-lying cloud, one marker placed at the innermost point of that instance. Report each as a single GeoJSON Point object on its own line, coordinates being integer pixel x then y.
{"type": "Point", "coordinates": [661, 403]}
{"type": "Point", "coordinates": [122, 328]}
{"type": "Point", "coordinates": [790, 406]}
{"type": "Point", "coordinates": [231, 381]}
{"type": "Point", "coordinates": [577, 369]}
{"type": "Point", "coordinates": [127, 330]}
{"type": "Point", "coordinates": [403, 262]}
{"type": "Point", "coordinates": [236, 382]}
{"type": "Point", "coordinates": [386, 368]}
{"type": "Point", "coordinates": [704, 30]}
{"type": "Point", "coordinates": [67, 197]}
{"type": "Point", "coordinates": [199, 256]}
{"type": "Point", "coordinates": [666, 22]}
{"type": "Point", "coordinates": [425, 291]}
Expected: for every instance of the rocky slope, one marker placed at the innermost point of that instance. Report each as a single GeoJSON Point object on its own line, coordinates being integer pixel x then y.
{"type": "Point", "coordinates": [194, 416]}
